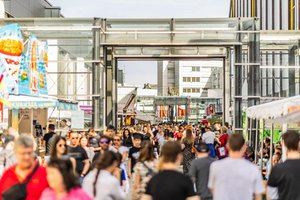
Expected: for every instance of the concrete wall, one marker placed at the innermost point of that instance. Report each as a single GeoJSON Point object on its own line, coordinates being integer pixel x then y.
{"type": "Point", "coordinates": [26, 8]}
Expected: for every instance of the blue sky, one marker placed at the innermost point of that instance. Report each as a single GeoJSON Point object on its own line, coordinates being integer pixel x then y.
{"type": "Point", "coordinates": [135, 71]}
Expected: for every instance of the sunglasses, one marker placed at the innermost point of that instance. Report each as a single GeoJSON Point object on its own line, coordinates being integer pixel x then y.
{"type": "Point", "coordinates": [104, 142]}
{"type": "Point", "coordinates": [117, 140]}
{"type": "Point", "coordinates": [74, 138]}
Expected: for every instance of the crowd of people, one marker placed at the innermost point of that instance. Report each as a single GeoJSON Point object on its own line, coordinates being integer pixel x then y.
{"type": "Point", "coordinates": [148, 162]}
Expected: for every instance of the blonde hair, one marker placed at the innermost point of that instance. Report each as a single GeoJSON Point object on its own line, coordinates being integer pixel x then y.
{"type": "Point", "coordinates": [223, 129]}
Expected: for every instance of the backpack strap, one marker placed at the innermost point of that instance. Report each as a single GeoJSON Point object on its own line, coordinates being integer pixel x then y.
{"type": "Point", "coordinates": [31, 174]}
{"type": "Point", "coordinates": [151, 171]}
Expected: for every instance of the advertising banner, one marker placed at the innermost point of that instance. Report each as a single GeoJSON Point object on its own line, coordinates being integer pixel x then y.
{"type": "Point", "coordinates": [11, 47]}
{"type": "Point", "coordinates": [22, 71]}
{"type": "Point", "coordinates": [1, 113]}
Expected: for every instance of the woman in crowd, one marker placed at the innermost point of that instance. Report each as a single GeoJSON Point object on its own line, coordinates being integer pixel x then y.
{"type": "Point", "coordinates": [160, 138]}
{"type": "Point", "coordinates": [221, 141]}
{"type": "Point", "coordinates": [127, 139]}
{"type": "Point", "coordinates": [89, 150]}
{"type": "Point", "coordinates": [143, 170]}
{"type": "Point", "coordinates": [187, 144]}
{"type": "Point", "coordinates": [59, 150]}
{"type": "Point", "coordinates": [100, 183]}
{"type": "Point", "coordinates": [63, 184]}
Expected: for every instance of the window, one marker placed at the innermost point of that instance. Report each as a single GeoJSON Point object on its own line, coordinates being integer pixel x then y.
{"type": "Point", "coordinates": [195, 69]}
{"type": "Point", "coordinates": [191, 90]}
{"type": "Point", "coordinates": [191, 79]}
{"type": "Point", "coordinates": [196, 79]}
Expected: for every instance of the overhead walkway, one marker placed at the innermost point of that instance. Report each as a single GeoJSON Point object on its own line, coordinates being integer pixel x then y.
{"type": "Point", "coordinates": [97, 44]}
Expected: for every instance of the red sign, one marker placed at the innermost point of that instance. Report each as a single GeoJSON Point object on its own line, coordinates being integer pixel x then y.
{"type": "Point", "coordinates": [1, 112]}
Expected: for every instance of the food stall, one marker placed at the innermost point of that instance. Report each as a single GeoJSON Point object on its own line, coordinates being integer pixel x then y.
{"type": "Point", "coordinates": [285, 111]}
{"type": "Point", "coordinates": [23, 80]}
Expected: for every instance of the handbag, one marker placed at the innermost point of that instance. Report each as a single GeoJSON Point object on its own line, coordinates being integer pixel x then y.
{"type": "Point", "coordinates": [222, 152]}
{"type": "Point", "coordinates": [18, 191]}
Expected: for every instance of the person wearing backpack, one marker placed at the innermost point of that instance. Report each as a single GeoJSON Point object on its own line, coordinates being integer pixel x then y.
{"type": "Point", "coordinates": [143, 171]}
{"type": "Point", "coordinates": [169, 183]}
{"type": "Point", "coordinates": [101, 183]}
{"type": "Point", "coordinates": [26, 179]}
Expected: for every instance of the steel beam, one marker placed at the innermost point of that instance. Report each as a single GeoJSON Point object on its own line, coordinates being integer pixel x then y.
{"type": "Point", "coordinates": [96, 98]}
{"type": "Point", "coordinates": [111, 86]}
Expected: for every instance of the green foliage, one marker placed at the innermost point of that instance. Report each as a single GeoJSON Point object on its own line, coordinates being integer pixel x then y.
{"type": "Point", "coordinates": [276, 135]}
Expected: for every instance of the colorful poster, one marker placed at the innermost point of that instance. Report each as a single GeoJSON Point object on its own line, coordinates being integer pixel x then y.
{"type": "Point", "coordinates": [11, 47]}
{"type": "Point", "coordinates": [1, 112]}
{"type": "Point", "coordinates": [32, 56]}
{"type": "Point", "coordinates": [24, 76]}
{"type": "Point", "coordinates": [42, 69]}
{"type": "Point", "coordinates": [22, 72]}
{"type": "Point", "coordinates": [33, 72]}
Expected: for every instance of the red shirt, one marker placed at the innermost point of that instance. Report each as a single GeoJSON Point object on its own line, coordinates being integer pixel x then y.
{"type": "Point", "coordinates": [35, 186]}
{"type": "Point", "coordinates": [223, 139]}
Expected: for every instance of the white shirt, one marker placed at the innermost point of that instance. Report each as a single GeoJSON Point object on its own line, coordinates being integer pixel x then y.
{"type": "Point", "coordinates": [107, 186]}
{"type": "Point", "coordinates": [209, 137]}
{"type": "Point", "coordinates": [234, 179]}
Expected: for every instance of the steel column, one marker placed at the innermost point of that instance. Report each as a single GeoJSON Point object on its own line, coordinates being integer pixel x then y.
{"type": "Point", "coordinates": [111, 87]}
{"type": "Point", "coordinates": [96, 74]}
{"type": "Point", "coordinates": [253, 77]}
{"type": "Point", "coordinates": [256, 141]}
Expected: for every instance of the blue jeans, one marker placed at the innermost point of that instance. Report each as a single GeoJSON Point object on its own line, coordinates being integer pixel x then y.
{"type": "Point", "coordinates": [212, 152]}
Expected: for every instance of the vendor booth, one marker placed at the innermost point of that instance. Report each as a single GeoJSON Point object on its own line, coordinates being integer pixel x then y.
{"type": "Point", "coordinates": [284, 112]}
{"type": "Point", "coordinates": [23, 81]}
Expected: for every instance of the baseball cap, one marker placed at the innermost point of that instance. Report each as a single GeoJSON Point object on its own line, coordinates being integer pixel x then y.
{"type": "Point", "coordinates": [202, 148]}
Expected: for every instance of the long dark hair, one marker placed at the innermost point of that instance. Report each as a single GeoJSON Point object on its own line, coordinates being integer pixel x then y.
{"type": "Point", "coordinates": [65, 167]}
{"type": "Point", "coordinates": [147, 152]}
{"type": "Point", "coordinates": [106, 160]}
{"type": "Point", "coordinates": [53, 150]}
{"type": "Point", "coordinates": [189, 138]}
{"type": "Point", "coordinates": [127, 141]}
{"type": "Point", "coordinates": [124, 135]}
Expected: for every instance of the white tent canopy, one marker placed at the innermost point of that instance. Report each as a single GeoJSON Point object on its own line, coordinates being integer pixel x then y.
{"type": "Point", "coordinates": [287, 119]}
{"type": "Point", "coordinates": [274, 109]}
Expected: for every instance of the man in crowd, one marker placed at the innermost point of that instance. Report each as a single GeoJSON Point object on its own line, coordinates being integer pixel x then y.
{"type": "Point", "coordinates": [104, 144]}
{"type": "Point", "coordinates": [134, 152]}
{"type": "Point", "coordinates": [286, 176]}
{"type": "Point", "coordinates": [80, 155]}
{"type": "Point", "coordinates": [169, 183]}
{"type": "Point", "coordinates": [26, 166]}
{"type": "Point", "coordinates": [47, 137]}
{"type": "Point", "coordinates": [93, 138]}
{"type": "Point", "coordinates": [200, 171]}
{"type": "Point", "coordinates": [209, 138]}
{"type": "Point", "coordinates": [110, 131]}
{"type": "Point", "coordinates": [235, 178]}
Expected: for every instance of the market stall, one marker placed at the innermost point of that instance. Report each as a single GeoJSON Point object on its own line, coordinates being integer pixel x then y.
{"type": "Point", "coordinates": [23, 80]}
{"type": "Point", "coordinates": [284, 112]}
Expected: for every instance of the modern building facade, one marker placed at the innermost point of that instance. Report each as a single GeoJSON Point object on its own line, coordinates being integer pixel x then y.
{"type": "Point", "coordinates": [189, 78]}
{"type": "Point", "coordinates": [30, 8]}
{"type": "Point", "coordinates": [273, 14]}
{"type": "Point", "coordinates": [199, 80]}
{"type": "Point", "coordinates": [279, 67]}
